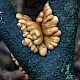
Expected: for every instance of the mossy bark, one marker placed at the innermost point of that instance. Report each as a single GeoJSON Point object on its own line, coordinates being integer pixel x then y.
{"type": "Point", "coordinates": [53, 66]}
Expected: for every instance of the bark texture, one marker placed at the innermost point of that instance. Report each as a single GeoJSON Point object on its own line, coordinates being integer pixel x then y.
{"type": "Point", "coordinates": [57, 64]}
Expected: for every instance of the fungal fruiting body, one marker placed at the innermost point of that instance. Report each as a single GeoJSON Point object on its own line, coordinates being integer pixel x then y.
{"type": "Point", "coordinates": [32, 33]}
{"type": "Point", "coordinates": [42, 34]}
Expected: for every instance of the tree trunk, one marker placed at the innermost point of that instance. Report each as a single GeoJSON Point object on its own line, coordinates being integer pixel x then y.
{"type": "Point", "coordinates": [57, 64]}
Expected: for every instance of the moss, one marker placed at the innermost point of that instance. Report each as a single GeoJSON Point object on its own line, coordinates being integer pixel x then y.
{"type": "Point", "coordinates": [68, 74]}
{"type": "Point", "coordinates": [50, 66]}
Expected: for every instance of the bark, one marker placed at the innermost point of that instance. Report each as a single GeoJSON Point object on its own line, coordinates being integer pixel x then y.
{"type": "Point", "coordinates": [57, 64]}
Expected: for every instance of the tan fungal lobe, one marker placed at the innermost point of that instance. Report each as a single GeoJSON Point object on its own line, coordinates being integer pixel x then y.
{"type": "Point", "coordinates": [42, 34]}
{"type": "Point", "coordinates": [26, 41]}
{"type": "Point", "coordinates": [16, 62]}
{"type": "Point", "coordinates": [50, 31]}
{"type": "Point", "coordinates": [56, 39]}
{"type": "Point", "coordinates": [30, 44]}
{"type": "Point", "coordinates": [50, 17]}
{"type": "Point", "coordinates": [21, 16]}
{"type": "Point", "coordinates": [41, 14]}
{"type": "Point", "coordinates": [20, 68]}
{"type": "Point", "coordinates": [25, 34]}
{"type": "Point", "coordinates": [42, 49]}
{"type": "Point", "coordinates": [39, 18]}
{"type": "Point", "coordinates": [58, 33]}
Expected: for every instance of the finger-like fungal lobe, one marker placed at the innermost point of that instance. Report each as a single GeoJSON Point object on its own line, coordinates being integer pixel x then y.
{"type": "Point", "coordinates": [49, 28]}
{"type": "Point", "coordinates": [42, 49]}
{"type": "Point", "coordinates": [49, 24]}
{"type": "Point", "coordinates": [42, 34]}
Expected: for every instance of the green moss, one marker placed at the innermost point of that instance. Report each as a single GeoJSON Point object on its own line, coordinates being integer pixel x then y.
{"type": "Point", "coordinates": [68, 74]}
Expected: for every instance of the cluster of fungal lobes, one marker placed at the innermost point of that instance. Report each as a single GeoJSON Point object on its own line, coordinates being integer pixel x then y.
{"type": "Point", "coordinates": [42, 34]}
